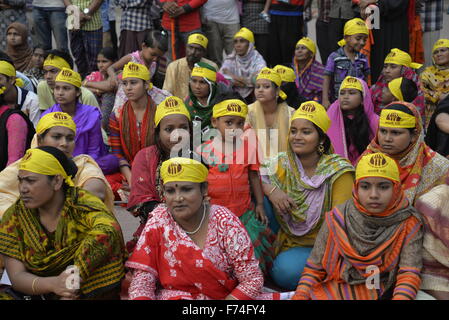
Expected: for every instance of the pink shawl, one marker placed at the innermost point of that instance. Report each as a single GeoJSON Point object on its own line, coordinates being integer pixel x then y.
{"type": "Point", "coordinates": [336, 131]}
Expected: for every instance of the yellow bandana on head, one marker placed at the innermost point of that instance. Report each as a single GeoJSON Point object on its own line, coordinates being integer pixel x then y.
{"type": "Point", "coordinates": [287, 74]}
{"type": "Point", "coordinates": [7, 69]}
{"type": "Point", "coordinates": [231, 107]}
{"type": "Point", "coordinates": [395, 88]}
{"type": "Point", "coordinates": [69, 76]}
{"type": "Point", "coordinates": [170, 105]}
{"type": "Point", "coordinates": [273, 76]}
{"type": "Point", "coordinates": [245, 33]}
{"type": "Point", "coordinates": [183, 169]}
{"type": "Point", "coordinates": [198, 38]}
{"type": "Point", "coordinates": [442, 43]}
{"type": "Point", "coordinates": [204, 73]}
{"type": "Point", "coordinates": [314, 112]}
{"type": "Point", "coordinates": [41, 162]}
{"type": "Point", "coordinates": [56, 62]}
{"type": "Point", "coordinates": [377, 165]}
{"type": "Point", "coordinates": [55, 119]}
{"type": "Point", "coordinates": [351, 83]}
{"type": "Point", "coordinates": [352, 27]}
{"type": "Point", "coordinates": [396, 119]}
{"type": "Point", "coordinates": [401, 58]}
{"type": "Point", "coordinates": [136, 70]}
{"type": "Point", "coordinates": [308, 43]}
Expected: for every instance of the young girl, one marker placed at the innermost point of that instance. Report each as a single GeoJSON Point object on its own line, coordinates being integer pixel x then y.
{"type": "Point", "coordinates": [99, 84]}
{"type": "Point", "coordinates": [399, 89]}
{"type": "Point", "coordinates": [89, 139]}
{"type": "Point", "coordinates": [353, 121]}
{"type": "Point", "coordinates": [369, 247]}
{"type": "Point", "coordinates": [234, 175]}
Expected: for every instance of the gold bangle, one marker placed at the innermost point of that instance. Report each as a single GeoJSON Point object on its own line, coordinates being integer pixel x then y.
{"type": "Point", "coordinates": [272, 191]}
{"type": "Point", "coordinates": [34, 282]}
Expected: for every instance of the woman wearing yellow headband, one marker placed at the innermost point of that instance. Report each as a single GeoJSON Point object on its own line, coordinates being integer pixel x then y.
{"type": "Point", "coordinates": [353, 121]}
{"type": "Point", "coordinates": [243, 64]}
{"type": "Point", "coordinates": [302, 184]}
{"type": "Point", "coordinates": [350, 245]}
{"type": "Point", "coordinates": [269, 115]}
{"type": "Point", "coordinates": [399, 89]}
{"type": "Point", "coordinates": [173, 137]}
{"type": "Point", "coordinates": [89, 139]}
{"type": "Point", "coordinates": [435, 78]}
{"type": "Point", "coordinates": [397, 64]}
{"type": "Point", "coordinates": [401, 136]}
{"type": "Point", "coordinates": [175, 245]}
{"type": "Point", "coordinates": [55, 225]}
{"type": "Point", "coordinates": [309, 72]}
{"type": "Point", "coordinates": [58, 130]}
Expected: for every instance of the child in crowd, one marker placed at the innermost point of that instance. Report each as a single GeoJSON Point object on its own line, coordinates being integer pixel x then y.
{"type": "Point", "coordinates": [346, 61]}
{"type": "Point", "coordinates": [234, 175]}
{"type": "Point", "coordinates": [399, 89]}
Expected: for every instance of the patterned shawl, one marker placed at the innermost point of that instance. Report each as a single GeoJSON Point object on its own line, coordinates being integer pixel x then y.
{"type": "Point", "coordinates": [88, 236]}
{"type": "Point", "coordinates": [309, 81]}
{"type": "Point", "coordinates": [421, 168]}
{"type": "Point", "coordinates": [408, 73]}
{"type": "Point", "coordinates": [313, 196]}
{"type": "Point", "coordinates": [337, 133]}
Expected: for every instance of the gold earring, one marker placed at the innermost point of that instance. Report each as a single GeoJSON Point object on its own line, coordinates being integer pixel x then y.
{"type": "Point", "coordinates": [321, 149]}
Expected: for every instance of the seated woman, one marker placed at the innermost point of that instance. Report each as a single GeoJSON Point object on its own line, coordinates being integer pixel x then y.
{"type": "Point", "coordinates": [309, 72]}
{"type": "Point", "coordinates": [132, 125]}
{"type": "Point", "coordinates": [100, 85]}
{"type": "Point", "coordinates": [435, 79]}
{"type": "Point", "coordinates": [172, 119]}
{"type": "Point", "coordinates": [434, 207]}
{"type": "Point", "coordinates": [17, 46]}
{"type": "Point", "coordinates": [89, 139]}
{"type": "Point", "coordinates": [303, 183]}
{"type": "Point", "coordinates": [270, 116]}
{"type": "Point", "coordinates": [58, 130]}
{"type": "Point", "coordinates": [401, 136]}
{"type": "Point", "coordinates": [204, 92]}
{"type": "Point", "coordinates": [399, 89]}
{"type": "Point", "coordinates": [190, 249]}
{"type": "Point", "coordinates": [243, 64]}
{"type": "Point", "coordinates": [397, 64]}
{"type": "Point", "coordinates": [55, 225]}
{"type": "Point", "coordinates": [353, 121]}
{"type": "Point", "coordinates": [294, 99]}
{"type": "Point", "coordinates": [369, 247]}
{"type": "Point", "coordinates": [437, 135]}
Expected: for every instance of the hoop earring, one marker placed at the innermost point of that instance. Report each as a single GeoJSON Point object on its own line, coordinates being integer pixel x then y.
{"type": "Point", "coordinates": [321, 149]}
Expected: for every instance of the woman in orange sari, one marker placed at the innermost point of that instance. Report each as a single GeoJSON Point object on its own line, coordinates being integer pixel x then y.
{"type": "Point", "coordinates": [370, 247]}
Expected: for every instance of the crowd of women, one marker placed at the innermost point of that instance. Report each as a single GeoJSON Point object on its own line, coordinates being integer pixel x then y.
{"type": "Point", "coordinates": [301, 181]}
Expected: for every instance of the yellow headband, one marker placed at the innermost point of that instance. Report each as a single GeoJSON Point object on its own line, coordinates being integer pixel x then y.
{"type": "Point", "coordinates": [377, 165]}
{"type": "Point", "coordinates": [183, 169]}
{"type": "Point", "coordinates": [273, 76]}
{"type": "Point", "coordinates": [7, 69]}
{"type": "Point", "coordinates": [395, 88]}
{"type": "Point", "coordinates": [231, 107]}
{"type": "Point", "coordinates": [170, 105]}
{"type": "Point", "coordinates": [198, 38]}
{"type": "Point", "coordinates": [287, 74]}
{"type": "Point", "coordinates": [136, 70]}
{"type": "Point", "coordinates": [56, 62]}
{"type": "Point", "coordinates": [352, 27]}
{"type": "Point", "coordinates": [442, 43]}
{"type": "Point", "coordinates": [245, 33]}
{"type": "Point", "coordinates": [69, 76]}
{"type": "Point", "coordinates": [204, 73]}
{"type": "Point", "coordinates": [351, 83]}
{"type": "Point", "coordinates": [396, 119]}
{"type": "Point", "coordinates": [55, 119]}
{"type": "Point", "coordinates": [401, 58]}
{"type": "Point", "coordinates": [308, 43]}
{"type": "Point", "coordinates": [314, 112]}
{"type": "Point", "coordinates": [41, 162]}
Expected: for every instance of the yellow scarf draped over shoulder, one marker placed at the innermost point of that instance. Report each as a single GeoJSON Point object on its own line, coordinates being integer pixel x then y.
{"type": "Point", "coordinates": [88, 236]}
